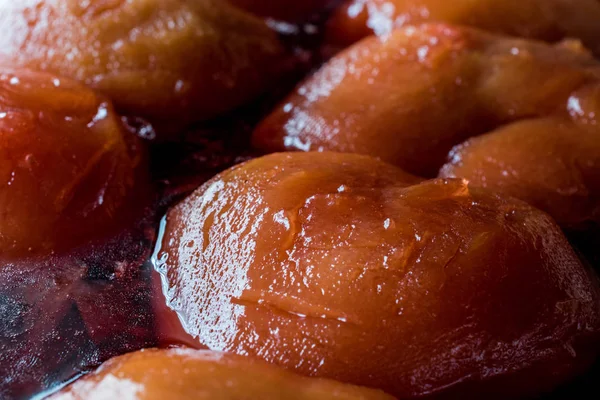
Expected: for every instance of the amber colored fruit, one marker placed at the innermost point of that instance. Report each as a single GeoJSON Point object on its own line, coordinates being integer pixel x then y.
{"type": "Point", "coordinates": [67, 164]}
{"type": "Point", "coordinates": [183, 374]}
{"type": "Point", "coordinates": [170, 61]}
{"type": "Point", "coordinates": [549, 20]}
{"type": "Point", "coordinates": [550, 163]}
{"type": "Point", "coordinates": [285, 10]}
{"type": "Point", "coordinates": [344, 267]}
{"type": "Point", "coordinates": [409, 99]}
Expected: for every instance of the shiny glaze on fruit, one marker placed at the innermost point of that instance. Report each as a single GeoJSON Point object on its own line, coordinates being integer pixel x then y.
{"type": "Point", "coordinates": [549, 20]}
{"type": "Point", "coordinates": [409, 98]}
{"type": "Point", "coordinates": [341, 266]}
{"type": "Point", "coordinates": [69, 166]}
{"type": "Point", "coordinates": [182, 374]}
{"type": "Point", "coordinates": [172, 62]}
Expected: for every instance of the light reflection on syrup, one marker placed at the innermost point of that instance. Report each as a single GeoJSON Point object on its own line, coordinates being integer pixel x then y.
{"type": "Point", "coordinates": [170, 326]}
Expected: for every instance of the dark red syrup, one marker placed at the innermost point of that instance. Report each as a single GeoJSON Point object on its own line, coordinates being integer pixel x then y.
{"type": "Point", "coordinates": [61, 316]}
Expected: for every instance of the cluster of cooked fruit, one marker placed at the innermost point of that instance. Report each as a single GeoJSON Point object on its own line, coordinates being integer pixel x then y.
{"type": "Point", "coordinates": [408, 241]}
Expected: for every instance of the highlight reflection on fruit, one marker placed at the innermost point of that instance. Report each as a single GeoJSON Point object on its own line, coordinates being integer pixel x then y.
{"type": "Point", "coordinates": [410, 98]}
{"type": "Point", "coordinates": [181, 374]}
{"type": "Point", "coordinates": [170, 61]}
{"type": "Point", "coordinates": [424, 258]}
{"type": "Point", "coordinates": [549, 20]}
{"type": "Point", "coordinates": [67, 161]}
{"type": "Point", "coordinates": [341, 266]}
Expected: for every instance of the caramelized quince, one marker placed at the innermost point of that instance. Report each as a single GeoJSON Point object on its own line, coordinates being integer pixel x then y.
{"type": "Point", "coordinates": [68, 164]}
{"type": "Point", "coordinates": [344, 267]}
{"type": "Point", "coordinates": [182, 374]}
{"type": "Point", "coordinates": [410, 98]}
{"type": "Point", "coordinates": [549, 20]}
{"type": "Point", "coordinates": [170, 61]}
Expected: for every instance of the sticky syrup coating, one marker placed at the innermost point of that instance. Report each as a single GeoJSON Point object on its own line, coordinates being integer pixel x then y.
{"type": "Point", "coordinates": [341, 266]}
{"type": "Point", "coordinates": [171, 61]}
{"type": "Point", "coordinates": [551, 163]}
{"type": "Point", "coordinates": [412, 97]}
{"type": "Point", "coordinates": [285, 10]}
{"type": "Point", "coordinates": [408, 99]}
{"type": "Point", "coordinates": [68, 164]}
{"type": "Point", "coordinates": [182, 374]}
{"type": "Point", "coordinates": [549, 20]}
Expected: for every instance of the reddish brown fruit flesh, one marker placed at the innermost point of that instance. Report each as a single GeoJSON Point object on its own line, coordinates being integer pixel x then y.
{"type": "Point", "coordinates": [180, 374]}
{"type": "Point", "coordinates": [549, 20]}
{"type": "Point", "coordinates": [68, 164]}
{"type": "Point", "coordinates": [410, 98]}
{"type": "Point", "coordinates": [173, 62]}
{"type": "Point", "coordinates": [341, 266]}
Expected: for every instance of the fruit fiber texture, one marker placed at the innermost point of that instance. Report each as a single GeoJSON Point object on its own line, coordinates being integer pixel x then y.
{"type": "Point", "coordinates": [69, 166]}
{"type": "Point", "coordinates": [182, 374]}
{"type": "Point", "coordinates": [171, 61]}
{"type": "Point", "coordinates": [409, 98]}
{"type": "Point", "coordinates": [549, 20]}
{"type": "Point", "coordinates": [344, 267]}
